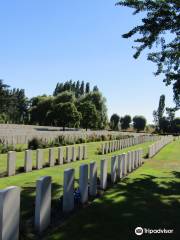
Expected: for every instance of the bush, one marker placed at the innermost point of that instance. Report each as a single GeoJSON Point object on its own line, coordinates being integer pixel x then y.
{"type": "Point", "coordinates": [36, 143]}
{"type": "Point", "coordinates": [6, 148]}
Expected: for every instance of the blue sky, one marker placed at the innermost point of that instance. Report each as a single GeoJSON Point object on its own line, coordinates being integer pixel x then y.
{"type": "Point", "coordinates": [48, 41]}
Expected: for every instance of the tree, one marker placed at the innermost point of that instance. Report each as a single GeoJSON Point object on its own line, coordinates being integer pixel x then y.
{"type": "Point", "coordinates": [89, 115]}
{"type": "Point", "coordinates": [164, 125]}
{"type": "Point", "coordinates": [125, 122]}
{"type": "Point", "coordinates": [114, 122]}
{"type": "Point", "coordinates": [39, 109]}
{"type": "Point", "coordinates": [176, 125]}
{"type": "Point", "coordinates": [4, 96]}
{"type": "Point", "coordinates": [87, 90]}
{"type": "Point", "coordinates": [158, 114]}
{"type": "Point", "coordinates": [99, 102]}
{"type": "Point", "coordinates": [95, 89]}
{"type": "Point", "coordinates": [64, 97]}
{"type": "Point", "coordinates": [139, 123]}
{"type": "Point", "coordinates": [66, 115]}
{"type": "Point", "coordinates": [82, 88]}
{"type": "Point", "coordinates": [160, 27]}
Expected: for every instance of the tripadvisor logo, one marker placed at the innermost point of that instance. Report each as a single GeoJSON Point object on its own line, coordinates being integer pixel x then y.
{"type": "Point", "coordinates": [139, 231]}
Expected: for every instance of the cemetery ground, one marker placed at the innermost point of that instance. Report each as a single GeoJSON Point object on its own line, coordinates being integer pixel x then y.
{"type": "Point", "coordinates": [149, 198]}
{"type": "Point", "coordinates": [27, 182]}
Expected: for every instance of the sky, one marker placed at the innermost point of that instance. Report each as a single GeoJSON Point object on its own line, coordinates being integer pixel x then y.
{"type": "Point", "coordinates": [48, 41]}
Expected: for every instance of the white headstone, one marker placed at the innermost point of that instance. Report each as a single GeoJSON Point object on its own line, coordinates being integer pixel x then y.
{"type": "Point", "coordinates": [68, 196]}
{"type": "Point", "coordinates": [103, 174]}
{"type": "Point", "coordinates": [73, 153]}
{"type": "Point", "coordinates": [51, 157]}
{"type": "Point", "coordinates": [113, 169]}
{"type": "Point", "coordinates": [39, 158]}
{"type": "Point", "coordinates": [83, 183]}
{"type": "Point", "coordinates": [120, 166]}
{"type": "Point", "coordinates": [43, 203]}
{"type": "Point", "coordinates": [60, 155]}
{"type": "Point", "coordinates": [93, 179]}
{"type": "Point", "coordinates": [28, 161]}
{"type": "Point", "coordinates": [9, 213]}
{"type": "Point", "coordinates": [11, 163]}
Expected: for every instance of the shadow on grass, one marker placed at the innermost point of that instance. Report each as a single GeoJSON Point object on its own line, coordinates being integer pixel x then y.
{"type": "Point", "coordinates": [28, 210]}
{"type": "Point", "coordinates": [148, 202]}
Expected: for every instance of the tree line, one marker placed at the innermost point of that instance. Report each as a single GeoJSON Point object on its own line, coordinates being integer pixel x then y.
{"type": "Point", "coordinates": [165, 123]}
{"type": "Point", "coordinates": [72, 104]}
{"type": "Point", "coordinates": [117, 122]}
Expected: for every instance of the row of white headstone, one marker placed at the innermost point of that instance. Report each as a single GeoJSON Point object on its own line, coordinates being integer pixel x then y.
{"type": "Point", "coordinates": [72, 154]}
{"type": "Point", "coordinates": [154, 148]}
{"type": "Point", "coordinates": [121, 165]}
{"type": "Point", "coordinates": [116, 145]}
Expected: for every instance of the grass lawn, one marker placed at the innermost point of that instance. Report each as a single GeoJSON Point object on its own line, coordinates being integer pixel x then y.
{"type": "Point", "coordinates": [148, 197]}
{"type": "Point", "coordinates": [27, 181]}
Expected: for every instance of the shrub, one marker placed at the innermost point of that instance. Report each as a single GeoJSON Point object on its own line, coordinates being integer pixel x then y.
{"type": "Point", "coordinates": [36, 143]}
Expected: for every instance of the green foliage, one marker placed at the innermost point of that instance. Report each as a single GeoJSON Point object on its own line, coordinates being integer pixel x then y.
{"type": "Point", "coordinates": [41, 106]}
{"type": "Point", "coordinates": [66, 115]}
{"type": "Point", "coordinates": [73, 105]}
{"type": "Point", "coordinates": [164, 125]}
{"type": "Point", "coordinates": [89, 115]}
{"type": "Point", "coordinates": [114, 122]}
{"type": "Point", "coordinates": [158, 114]}
{"type": "Point", "coordinates": [13, 105]}
{"type": "Point", "coordinates": [125, 122]}
{"type": "Point", "coordinates": [99, 102]}
{"type": "Point", "coordinates": [160, 27]}
{"type": "Point", "coordinates": [78, 88]}
{"type": "Point", "coordinates": [64, 97]}
{"type": "Point", "coordinates": [168, 123]}
{"type": "Point", "coordinates": [139, 123]}
{"type": "Point", "coordinates": [176, 125]}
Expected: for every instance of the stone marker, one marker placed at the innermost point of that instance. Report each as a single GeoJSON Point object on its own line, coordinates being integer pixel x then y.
{"type": "Point", "coordinates": [11, 163]}
{"type": "Point", "coordinates": [113, 169]}
{"type": "Point", "coordinates": [60, 155]}
{"type": "Point", "coordinates": [132, 161]}
{"type": "Point", "coordinates": [124, 165]}
{"type": "Point", "coordinates": [102, 149]}
{"type": "Point", "coordinates": [128, 162]}
{"type": "Point", "coordinates": [103, 174]}
{"type": "Point", "coordinates": [9, 213]}
{"type": "Point", "coordinates": [93, 179]}
{"type": "Point", "coordinates": [73, 153]}
{"type": "Point", "coordinates": [43, 204]}
{"type": "Point", "coordinates": [39, 158]}
{"type": "Point", "coordinates": [83, 183]}
{"type": "Point", "coordinates": [79, 153]}
{"type": "Point", "coordinates": [120, 166]}
{"type": "Point", "coordinates": [68, 158]}
{"type": "Point", "coordinates": [68, 196]}
{"type": "Point", "coordinates": [84, 152]}
{"type": "Point", "coordinates": [51, 157]}
{"type": "Point", "coordinates": [28, 161]}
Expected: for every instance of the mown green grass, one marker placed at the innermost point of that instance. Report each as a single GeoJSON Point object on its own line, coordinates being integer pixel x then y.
{"type": "Point", "coordinates": [149, 197]}
{"type": "Point", "coordinates": [27, 181]}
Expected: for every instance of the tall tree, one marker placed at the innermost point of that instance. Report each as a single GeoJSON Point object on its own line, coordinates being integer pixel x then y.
{"type": "Point", "coordinates": [82, 88]}
{"type": "Point", "coordinates": [89, 115]}
{"type": "Point", "coordinates": [125, 122]}
{"type": "Point", "coordinates": [114, 122]}
{"type": "Point", "coordinates": [158, 114]}
{"type": "Point", "coordinates": [87, 90]}
{"type": "Point", "coordinates": [139, 123]}
{"type": "Point", "coordinates": [95, 89]}
{"type": "Point", "coordinates": [161, 28]}
{"type": "Point", "coordinates": [66, 115]}
{"type": "Point", "coordinates": [99, 101]}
